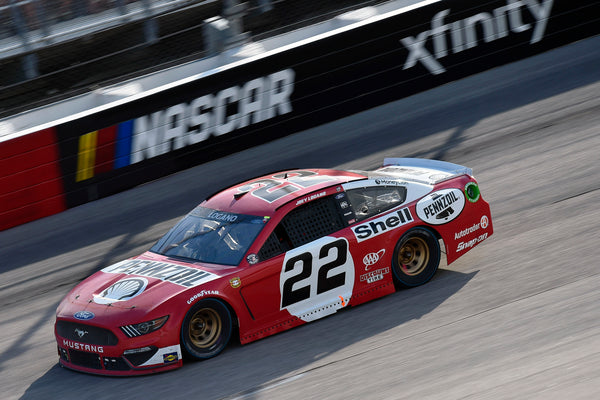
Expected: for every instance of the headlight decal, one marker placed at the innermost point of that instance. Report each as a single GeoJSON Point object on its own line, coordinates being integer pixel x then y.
{"type": "Point", "coordinates": [143, 328]}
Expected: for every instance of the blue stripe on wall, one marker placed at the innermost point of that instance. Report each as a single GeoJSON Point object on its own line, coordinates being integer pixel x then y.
{"type": "Point", "coordinates": [123, 147]}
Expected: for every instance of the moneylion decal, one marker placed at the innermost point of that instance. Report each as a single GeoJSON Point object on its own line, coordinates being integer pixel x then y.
{"type": "Point", "coordinates": [441, 207]}
{"type": "Point", "coordinates": [463, 34]}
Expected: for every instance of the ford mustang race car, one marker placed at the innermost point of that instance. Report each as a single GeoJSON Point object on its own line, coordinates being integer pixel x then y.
{"type": "Point", "coordinates": [267, 255]}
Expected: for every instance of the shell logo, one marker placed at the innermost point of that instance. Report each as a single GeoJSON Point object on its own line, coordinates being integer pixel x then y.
{"type": "Point", "coordinates": [123, 290]}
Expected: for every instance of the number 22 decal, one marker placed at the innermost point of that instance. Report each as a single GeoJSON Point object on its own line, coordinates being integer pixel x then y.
{"type": "Point", "coordinates": [315, 273]}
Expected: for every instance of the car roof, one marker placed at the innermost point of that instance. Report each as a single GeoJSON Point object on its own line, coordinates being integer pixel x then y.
{"type": "Point", "coordinates": [265, 194]}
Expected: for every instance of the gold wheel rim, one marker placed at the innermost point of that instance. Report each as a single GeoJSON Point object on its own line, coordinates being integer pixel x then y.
{"type": "Point", "coordinates": [413, 256]}
{"type": "Point", "coordinates": [205, 328]}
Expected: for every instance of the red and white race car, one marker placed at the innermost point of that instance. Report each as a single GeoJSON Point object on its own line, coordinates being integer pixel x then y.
{"type": "Point", "coordinates": [267, 255]}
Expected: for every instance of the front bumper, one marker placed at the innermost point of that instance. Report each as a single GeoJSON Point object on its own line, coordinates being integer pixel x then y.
{"type": "Point", "coordinates": [99, 351]}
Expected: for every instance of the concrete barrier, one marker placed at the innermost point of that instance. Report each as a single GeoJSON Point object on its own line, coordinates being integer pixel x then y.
{"type": "Point", "coordinates": [306, 83]}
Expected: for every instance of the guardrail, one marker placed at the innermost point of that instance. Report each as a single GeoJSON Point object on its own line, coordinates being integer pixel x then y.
{"type": "Point", "coordinates": [274, 93]}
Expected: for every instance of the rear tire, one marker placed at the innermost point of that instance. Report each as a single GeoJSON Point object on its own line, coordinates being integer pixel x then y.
{"type": "Point", "coordinates": [416, 258]}
{"type": "Point", "coordinates": [206, 329]}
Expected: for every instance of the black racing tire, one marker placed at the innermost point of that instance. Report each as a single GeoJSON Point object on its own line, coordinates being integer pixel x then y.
{"type": "Point", "coordinates": [206, 329]}
{"type": "Point", "coordinates": [416, 258]}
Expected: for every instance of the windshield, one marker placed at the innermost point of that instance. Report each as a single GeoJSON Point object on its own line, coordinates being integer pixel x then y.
{"type": "Point", "coordinates": [211, 236]}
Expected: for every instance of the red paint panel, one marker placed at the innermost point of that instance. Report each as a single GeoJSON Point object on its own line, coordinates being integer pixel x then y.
{"type": "Point", "coordinates": [105, 150]}
{"type": "Point", "coordinates": [30, 194]}
{"type": "Point", "coordinates": [30, 179]}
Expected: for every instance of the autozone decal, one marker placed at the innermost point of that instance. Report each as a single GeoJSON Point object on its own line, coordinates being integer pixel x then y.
{"type": "Point", "coordinates": [462, 34]}
{"type": "Point", "coordinates": [184, 124]}
{"type": "Point", "coordinates": [178, 274]}
{"type": "Point", "coordinates": [382, 224]}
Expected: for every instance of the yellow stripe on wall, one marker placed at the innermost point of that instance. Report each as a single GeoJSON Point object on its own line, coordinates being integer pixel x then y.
{"type": "Point", "coordinates": [86, 158]}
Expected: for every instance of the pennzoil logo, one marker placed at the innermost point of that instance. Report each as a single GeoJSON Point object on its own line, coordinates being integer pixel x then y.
{"type": "Point", "coordinates": [174, 273]}
{"type": "Point", "coordinates": [441, 207]}
{"type": "Point", "coordinates": [235, 282]}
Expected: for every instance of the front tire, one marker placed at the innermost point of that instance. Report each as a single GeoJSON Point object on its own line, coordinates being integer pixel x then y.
{"type": "Point", "coordinates": [416, 258]}
{"type": "Point", "coordinates": [206, 329]}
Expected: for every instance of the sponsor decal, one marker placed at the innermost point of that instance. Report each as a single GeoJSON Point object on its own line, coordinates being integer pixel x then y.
{"type": "Point", "coordinates": [485, 221]}
{"type": "Point", "coordinates": [202, 294]}
{"type": "Point", "coordinates": [375, 275]}
{"type": "Point", "coordinates": [472, 192]}
{"type": "Point", "coordinates": [371, 259]}
{"type": "Point", "coordinates": [177, 274]}
{"type": "Point", "coordinates": [441, 207]}
{"type": "Point", "coordinates": [467, 245]}
{"type": "Point", "coordinates": [170, 357]}
{"type": "Point", "coordinates": [467, 231]}
{"type": "Point", "coordinates": [123, 290]}
{"type": "Point", "coordinates": [390, 181]}
{"type": "Point", "coordinates": [463, 34]}
{"type": "Point", "coordinates": [184, 124]}
{"type": "Point", "coordinates": [382, 224]}
{"type": "Point", "coordinates": [83, 347]}
{"type": "Point", "coordinates": [310, 198]}
{"type": "Point", "coordinates": [164, 355]}
{"type": "Point", "coordinates": [235, 282]}
{"type": "Point", "coordinates": [339, 195]}
{"type": "Point", "coordinates": [84, 315]}
{"type": "Point", "coordinates": [252, 259]}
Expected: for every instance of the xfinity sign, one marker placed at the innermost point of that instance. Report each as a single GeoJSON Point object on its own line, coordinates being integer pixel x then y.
{"type": "Point", "coordinates": [460, 35]}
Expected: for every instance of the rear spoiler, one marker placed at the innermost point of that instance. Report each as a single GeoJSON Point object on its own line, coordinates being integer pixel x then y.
{"type": "Point", "coordinates": [445, 170]}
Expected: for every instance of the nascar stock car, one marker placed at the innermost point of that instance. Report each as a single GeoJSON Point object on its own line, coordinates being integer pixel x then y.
{"type": "Point", "coordinates": [267, 255]}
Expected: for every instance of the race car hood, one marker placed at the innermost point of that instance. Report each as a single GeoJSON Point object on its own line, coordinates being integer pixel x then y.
{"type": "Point", "coordinates": [142, 283]}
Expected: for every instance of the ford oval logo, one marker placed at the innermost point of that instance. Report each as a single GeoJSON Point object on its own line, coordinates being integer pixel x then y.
{"type": "Point", "coordinates": [84, 315]}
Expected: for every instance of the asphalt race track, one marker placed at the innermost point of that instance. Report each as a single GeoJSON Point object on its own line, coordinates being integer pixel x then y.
{"type": "Point", "coordinates": [516, 318]}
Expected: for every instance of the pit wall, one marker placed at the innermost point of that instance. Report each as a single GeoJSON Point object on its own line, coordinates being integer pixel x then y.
{"type": "Point", "coordinates": [311, 82]}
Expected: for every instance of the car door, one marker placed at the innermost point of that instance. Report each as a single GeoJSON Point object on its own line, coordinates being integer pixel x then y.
{"type": "Point", "coordinates": [307, 269]}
